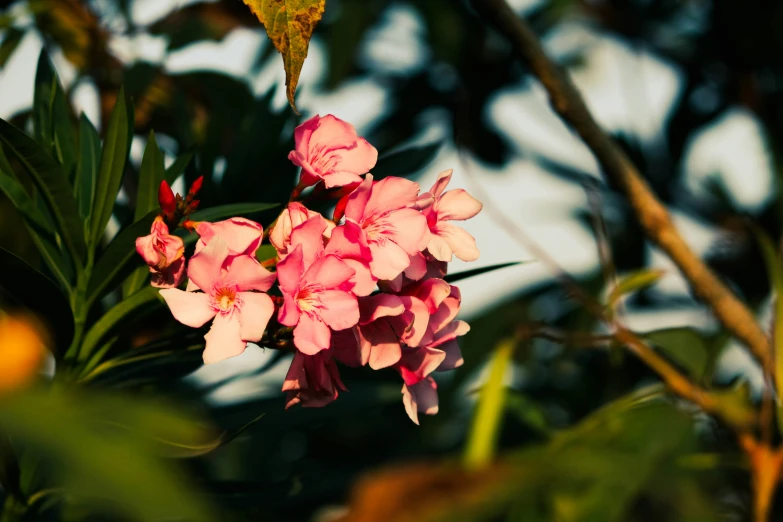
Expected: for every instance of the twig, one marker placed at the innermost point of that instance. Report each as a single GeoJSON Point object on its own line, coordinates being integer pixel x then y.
{"type": "Point", "coordinates": [650, 212]}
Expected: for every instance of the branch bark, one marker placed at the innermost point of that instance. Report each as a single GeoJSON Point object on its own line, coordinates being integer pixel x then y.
{"type": "Point", "coordinates": [651, 213]}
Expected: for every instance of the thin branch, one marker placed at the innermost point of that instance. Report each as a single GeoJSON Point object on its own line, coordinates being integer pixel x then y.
{"type": "Point", "coordinates": [616, 165]}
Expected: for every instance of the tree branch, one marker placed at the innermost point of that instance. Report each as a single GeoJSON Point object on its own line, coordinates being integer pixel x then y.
{"type": "Point", "coordinates": [616, 165]}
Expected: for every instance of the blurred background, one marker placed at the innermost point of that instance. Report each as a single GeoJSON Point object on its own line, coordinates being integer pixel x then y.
{"type": "Point", "coordinates": [692, 89]}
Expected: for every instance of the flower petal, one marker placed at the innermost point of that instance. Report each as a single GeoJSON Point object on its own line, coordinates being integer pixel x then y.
{"type": "Point", "coordinates": [457, 205]}
{"type": "Point", "coordinates": [329, 271]}
{"type": "Point", "coordinates": [340, 309]}
{"type": "Point", "coordinates": [254, 315]}
{"type": "Point", "coordinates": [406, 227]}
{"type": "Point", "coordinates": [248, 273]}
{"type": "Point", "coordinates": [311, 335]}
{"type": "Point", "coordinates": [388, 259]}
{"type": "Point", "coordinates": [189, 308]}
{"type": "Point", "coordinates": [357, 200]}
{"type": "Point", "coordinates": [289, 312]}
{"type": "Point", "coordinates": [310, 236]}
{"type": "Point", "coordinates": [391, 193]}
{"type": "Point", "coordinates": [341, 179]}
{"type": "Point", "coordinates": [460, 242]}
{"type": "Point", "coordinates": [290, 271]}
{"type": "Point", "coordinates": [379, 305]}
{"type": "Point", "coordinates": [206, 266]}
{"type": "Point", "coordinates": [224, 339]}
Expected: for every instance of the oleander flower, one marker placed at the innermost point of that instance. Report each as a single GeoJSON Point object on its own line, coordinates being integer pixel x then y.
{"type": "Point", "coordinates": [163, 253]}
{"type": "Point", "coordinates": [231, 298]}
{"type": "Point", "coordinates": [329, 150]}
{"type": "Point", "coordinates": [454, 205]}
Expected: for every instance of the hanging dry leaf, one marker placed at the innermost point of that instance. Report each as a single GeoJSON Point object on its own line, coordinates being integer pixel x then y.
{"type": "Point", "coordinates": [289, 24]}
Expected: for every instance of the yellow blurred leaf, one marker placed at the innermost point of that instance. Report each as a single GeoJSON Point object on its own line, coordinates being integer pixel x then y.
{"type": "Point", "coordinates": [289, 24]}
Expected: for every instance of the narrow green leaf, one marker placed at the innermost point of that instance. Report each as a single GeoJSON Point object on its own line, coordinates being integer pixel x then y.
{"type": "Point", "coordinates": [10, 42]}
{"type": "Point", "coordinates": [459, 276]}
{"type": "Point", "coordinates": [151, 175]}
{"type": "Point", "coordinates": [634, 282]}
{"type": "Point", "coordinates": [113, 317]}
{"type": "Point", "coordinates": [34, 291]}
{"type": "Point", "coordinates": [116, 146]}
{"type": "Point", "coordinates": [16, 193]}
{"type": "Point", "coordinates": [52, 116]}
{"type": "Point", "coordinates": [118, 260]}
{"type": "Point", "coordinates": [52, 184]}
{"type": "Point", "coordinates": [87, 168]}
{"type": "Point", "coordinates": [178, 167]}
{"type": "Point", "coordinates": [405, 162]}
{"type": "Point", "coordinates": [487, 419]}
{"type": "Point", "coordinates": [233, 209]}
{"type": "Point", "coordinates": [775, 273]}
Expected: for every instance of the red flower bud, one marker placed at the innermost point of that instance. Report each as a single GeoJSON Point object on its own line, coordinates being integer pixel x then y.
{"type": "Point", "coordinates": [196, 186]}
{"type": "Point", "coordinates": [166, 199]}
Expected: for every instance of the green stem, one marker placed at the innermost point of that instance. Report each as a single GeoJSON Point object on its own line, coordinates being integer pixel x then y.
{"type": "Point", "coordinates": [482, 440]}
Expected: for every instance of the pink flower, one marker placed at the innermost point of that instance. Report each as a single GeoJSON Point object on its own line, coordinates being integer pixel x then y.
{"type": "Point", "coordinates": [242, 236]}
{"type": "Point", "coordinates": [419, 393]}
{"type": "Point", "coordinates": [348, 243]}
{"type": "Point", "coordinates": [454, 205]}
{"type": "Point", "coordinates": [423, 266]}
{"type": "Point", "coordinates": [240, 315]}
{"type": "Point", "coordinates": [163, 253]}
{"type": "Point", "coordinates": [328, 149]}
{"type": "Point", "coordinates": [317, 297]}
{"type": "Point", "coordinates": [293, 216]}
{"type": "Point", "coordinates": [312, 380]}
{"type": "Point", "coordinates": [391, 229]}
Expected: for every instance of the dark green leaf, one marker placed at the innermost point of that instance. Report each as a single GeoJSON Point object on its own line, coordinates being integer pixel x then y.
{"type": "Point", "coordinates": [119, 259]}
{"type": "Point", "coordinates": [116, 146]}
{"type": "Point", "coordinates": [52, 184]}
{"type": "Point", "coordinates": [178, 167]}
{"type": "Point", "coordinates": [11, 40]}
{"type": "Point", "coordinates": [231, 210]}
{"type": "Point", "coordinates": [459, 276]}
{"type": "Point", "coordinates": [15, 192]}
{"type": "Point", "coordinates": [685, 346]}
{"type": "Point", "coordinates": [87, 168]}
{"type": "Point", "coordinates": [52, 116]}
{"type": "Point", "coordinates": [28, 288]}
{"type": "Point", "coordinates": [405, 162]}
{"type": "Point", "coordinates": [150, 177]}
{"type": "Point", "coordinates": [114, 316]}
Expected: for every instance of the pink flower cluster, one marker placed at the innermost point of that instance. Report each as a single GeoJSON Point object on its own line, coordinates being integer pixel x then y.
{"type": "Point", "coordinates": [364, 288]}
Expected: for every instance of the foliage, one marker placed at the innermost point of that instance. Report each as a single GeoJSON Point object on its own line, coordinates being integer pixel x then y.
{"type": "Point", "coordinates": [575, 432]}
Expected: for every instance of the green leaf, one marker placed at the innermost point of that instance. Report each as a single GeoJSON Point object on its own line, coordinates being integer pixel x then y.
{"type": "Point", "coordinates": [101, 329]}
{"type": "Point", "coordinates": [11, 41]}
{"type": "Point", "coordinates": [151, 175]}
{"type": "Point", "coordinates": [266, 252]}
{"type": "Point", "coordinates": [178, 167]}
{"type": "Point", "coordinates": [16, 193]}
{"type": "Point", "coordinates": [69, 431]}
{"type": "Point", "coordinates": [230, 210]}
{"type": "Point", "coordinates": [775, 273]}
{"type": "Point", "coordinates": [53, 185]}
{"type": "Point", "coordinates": [405, 162]}
{"type": "Point", "coordinates": [527, 411]}
{"type": "Point", "coordinates": [119, 259]}
{"type": "Point", "coordinates": [487, 419]}
{"type": "Point", "coordinates": [52, 116]}
{"type": "Point", "coordinates": [459, 276]}
{"type": "Point", "coordinates": [116, 146]}
{"type": "Point", "coordinates": [87, 168]}
{"type": "Point", "coordinates": [633, 283]}
{"type": "Point", "coordinates": [27, 287]}
{"type": "Point", "coordinates": [289, 24]}
{"type": "Point", "coordinates": [685, 346]}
